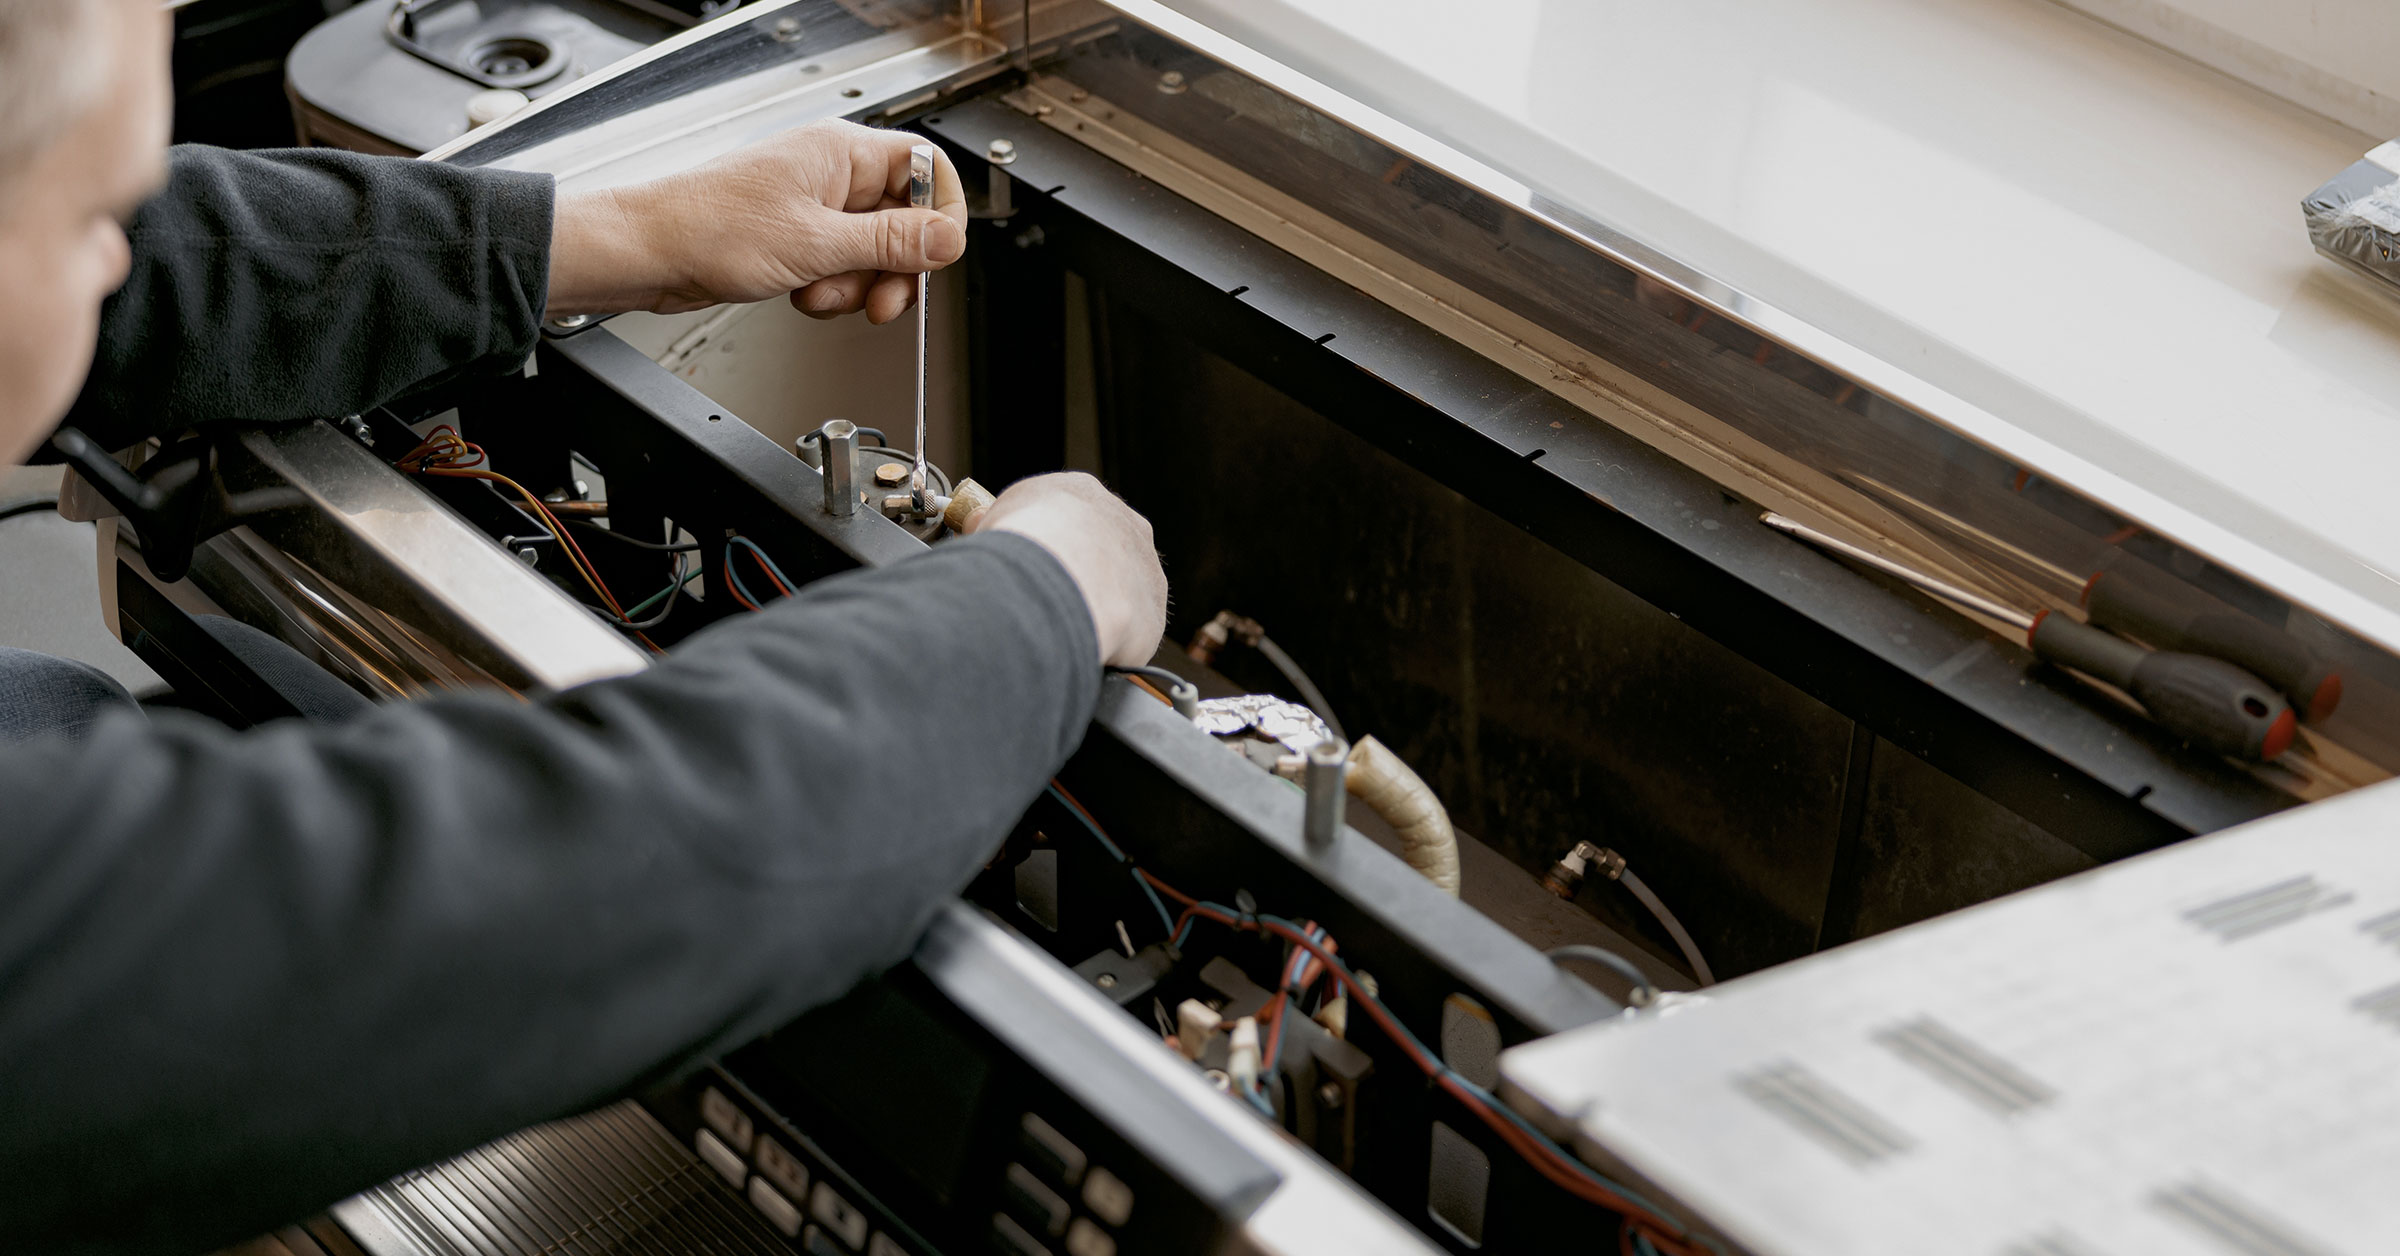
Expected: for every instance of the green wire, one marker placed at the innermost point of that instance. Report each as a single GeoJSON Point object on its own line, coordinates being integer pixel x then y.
{"type": "Point", "coordinates": [654, 599]}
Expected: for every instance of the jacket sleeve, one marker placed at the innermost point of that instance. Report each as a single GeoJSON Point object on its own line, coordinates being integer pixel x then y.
{"type": "Point", "coordinates": [245, 975]}
{"type": "Point", "coordinates": [313, 284]}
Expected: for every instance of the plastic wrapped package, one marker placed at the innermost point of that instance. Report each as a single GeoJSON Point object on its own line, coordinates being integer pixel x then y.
{"type": "Point", "coordinates": [2355, 217]}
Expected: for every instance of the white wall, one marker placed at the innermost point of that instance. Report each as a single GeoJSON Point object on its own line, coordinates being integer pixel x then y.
{"type": "Point", "coordinates": [2339, 58]}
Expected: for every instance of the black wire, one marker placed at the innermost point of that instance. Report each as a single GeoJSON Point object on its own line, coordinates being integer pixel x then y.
{"type": "Point", "coordinates": [34, 507]}
{"type": "Point", "coordinates": [1310, 695]}
{"type": "Point", "coordinates": [619, 537]}
{"type": "Point", "coordinates": [1609, 959]}
{"type": "Point", "coordinates": [682, 577]}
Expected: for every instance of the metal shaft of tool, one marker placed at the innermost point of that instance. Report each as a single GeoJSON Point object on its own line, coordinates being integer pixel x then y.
{"type": "Point", "coordinates": [920, 196]}
{"type": "Point", "coordinates": [1942, 589]}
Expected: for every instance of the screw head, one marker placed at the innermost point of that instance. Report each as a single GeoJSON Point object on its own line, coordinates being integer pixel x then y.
{"type": "Point", "coordinates": [1105, 981]}
{"type": "Point", "coordinates": [573, 321]}
{"type": "Point", "coordinates": [530, 556]}
{"type": "Point", "coordinates": [1172, 83]}
{"type": "Point", "coordinates": [1001, 152]}
{"type": "Point", "coordinates": [786, 29]}
{"type": "Point", "coordinates": [1329, 1095]}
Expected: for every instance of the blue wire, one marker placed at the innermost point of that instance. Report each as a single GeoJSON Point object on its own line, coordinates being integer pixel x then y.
{"type": "Point", "coordinates": [1116, 852]}
{"type": "Point", "coordinates": [1641, 1244]}
{"type": "Point", "coordinates": [734, 574]}
{"type": "Point", "coordinates": [748, 544]}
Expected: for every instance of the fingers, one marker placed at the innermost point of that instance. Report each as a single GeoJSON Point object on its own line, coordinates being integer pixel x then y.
{"type": "Point", "coordinates": [1106, 548]}
{"type": "Point", "coordinates": [889, 298]}
{"type": "Point", "coordinates": [910, 240]}
{"type": "Point", "coordinates": [835, 295]}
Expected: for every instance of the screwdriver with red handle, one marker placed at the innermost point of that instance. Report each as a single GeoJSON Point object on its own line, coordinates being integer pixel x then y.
{"type": "Point", "coordinates": [2167, 614]}
{"type": "Point", "coordinates": [2206, 701]}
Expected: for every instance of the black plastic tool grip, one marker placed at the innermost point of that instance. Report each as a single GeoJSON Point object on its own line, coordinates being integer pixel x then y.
{"type": "Point", "coordinates": [2173, 620]}
{"type": "Point", "coordinates": [2206, 701]}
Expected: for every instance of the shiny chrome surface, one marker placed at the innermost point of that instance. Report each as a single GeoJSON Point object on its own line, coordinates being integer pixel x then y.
{"type": "Point", "coordinates": [375, 540]}
{"type": "Point", "coordinates": [373, 652]}
{"type": "Point", "coordinates": [1591, 326]}
{"type": "Point", "coordinates": [2071, 249]}
{"type": "Point", "coordinates": [752, 73]}
{"type": "Point", "coordinates": [606, 1182]}
{"type": "Point", "coordinates": [2208, 1029]}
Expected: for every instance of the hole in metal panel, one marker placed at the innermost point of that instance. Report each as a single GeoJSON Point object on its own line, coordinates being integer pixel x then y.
{"type": "Point", "coordinates": [1471, 1040]}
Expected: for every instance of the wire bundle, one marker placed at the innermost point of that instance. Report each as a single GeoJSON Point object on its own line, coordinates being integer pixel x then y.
{"type": "Point", "coordinates": [733, 579]}
{"type": "Point", "coordinates": [1646, 1231]}
{"type": "Point", "coordinates": [449, 455]}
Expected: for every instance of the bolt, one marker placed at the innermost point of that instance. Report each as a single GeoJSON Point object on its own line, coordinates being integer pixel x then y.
{"type": "Point", "coordinates": [1329, 1095]}
{"type": "Point", "coordinates": [1172, 83]}
{"type": "Point", "coordinates": [786, 29]}
{"type": "Point", "coordinates": [573, 321]}
{"type": "Point", "coordinates": [530, 556]}
{"type": "Point", "coordinates": [890, 473]}
{"type": "Point", "coordinates": [1106, 981]}
{"type": "Point", "coordinates": [1217, 1078]}
{"type": "Point", "coordinates": [1000, 152]}
{"type": "Point", "coordinates": [1079, 95]}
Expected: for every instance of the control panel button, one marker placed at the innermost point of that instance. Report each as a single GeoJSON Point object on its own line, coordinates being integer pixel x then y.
{"type": "Point", "coordinates": [1086, 1239]}
{"type": "Point", "coordinates": [1012, 1240]}
{"type": "Point", "coordinates": [1041, 1209]}
{"type": "Point", "coordinates": [781, 1167]}
{"type": "Point", "coordinates": [884, 1245]}
{"type": "Point", "coordinates": [727, 1118]}
{"type": "Point", "coordinates": [845, 1221]}
{"type": "Point", "coordinates": [782, 1213]}
{"type": "Point", "coordinates": [1108, 1198]}
{"type": "Point", "coordinates": [722, 1158]}
{"type": "Point", "coordinates": [1049, 1152]}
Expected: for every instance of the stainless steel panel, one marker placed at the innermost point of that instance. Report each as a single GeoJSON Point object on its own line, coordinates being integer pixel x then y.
{"type": "Point", "coordinates": [388, 545]}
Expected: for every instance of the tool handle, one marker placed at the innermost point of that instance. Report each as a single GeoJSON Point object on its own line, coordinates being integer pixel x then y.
{"type": "Point", "coordinates": [2206, 701]}
{"type": "Point", "coordinates": [2172, 622]}
{"type": "Point", "coordinates": [968, 501]}
{"type": "Point", "coordinates": [920, 176]}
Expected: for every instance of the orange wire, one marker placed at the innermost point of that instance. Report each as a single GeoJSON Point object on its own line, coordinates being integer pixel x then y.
{"type": "Point", "coordinates": [463, 459]}
{"type": "Point", "coordinates": [762, 566]}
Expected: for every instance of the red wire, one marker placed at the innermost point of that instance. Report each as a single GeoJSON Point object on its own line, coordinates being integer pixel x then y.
{"type": "Point", "coordinates": [1548, 1163]}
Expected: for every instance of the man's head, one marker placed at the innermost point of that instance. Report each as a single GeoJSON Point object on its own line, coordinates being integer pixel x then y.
{"type": "Point", "coordinates": [84, 103]}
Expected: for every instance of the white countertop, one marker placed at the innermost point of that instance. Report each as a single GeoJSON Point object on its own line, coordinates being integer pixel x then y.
{"type": "Point", "coordinates": [2078, 248]}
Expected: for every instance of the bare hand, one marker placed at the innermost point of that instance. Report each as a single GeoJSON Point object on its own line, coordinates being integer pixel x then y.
{"type": "Point", "coordinates": [820, 212]}
{"type": "Point", "coordinates": [1104, 545]}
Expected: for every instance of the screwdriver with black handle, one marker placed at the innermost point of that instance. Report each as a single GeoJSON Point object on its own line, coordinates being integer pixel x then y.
{"type": "Point", "coordinates": [2206, 701]}
{"type": "Point", "coordinates": [2163, 612]}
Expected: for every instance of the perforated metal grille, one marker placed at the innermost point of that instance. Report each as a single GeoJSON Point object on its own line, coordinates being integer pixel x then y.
{"type": "Point", "coordinates": [612, 1183]}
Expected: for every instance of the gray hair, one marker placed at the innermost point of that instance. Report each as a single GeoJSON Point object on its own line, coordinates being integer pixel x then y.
{"type": "Point", "coordinates": [54, 63]}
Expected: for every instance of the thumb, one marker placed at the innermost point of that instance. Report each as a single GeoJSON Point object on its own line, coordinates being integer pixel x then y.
{"type": "Point", "coordinates": [906, 240]}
